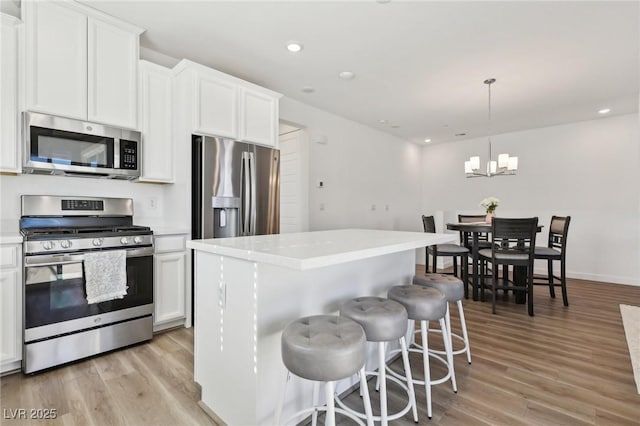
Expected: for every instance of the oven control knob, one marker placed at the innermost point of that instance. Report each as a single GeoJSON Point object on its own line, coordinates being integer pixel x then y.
{"type": "Point", "coordinates": [137, 240]}
{"type": "Point", "coordinates": [124, 240]}
{"type": "Point", "coordinates": [97, 242]}
{"type": "Point", "coordinates": [48, 245]}
{"type": "Point", "coordinates": [65, 244]}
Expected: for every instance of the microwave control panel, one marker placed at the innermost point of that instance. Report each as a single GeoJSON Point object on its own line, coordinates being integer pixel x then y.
{"type": "Point", "coordinates": [128, 154]}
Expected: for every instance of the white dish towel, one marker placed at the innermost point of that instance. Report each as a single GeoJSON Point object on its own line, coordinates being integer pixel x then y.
{"type": "Point", "coordinates": [105, 275]}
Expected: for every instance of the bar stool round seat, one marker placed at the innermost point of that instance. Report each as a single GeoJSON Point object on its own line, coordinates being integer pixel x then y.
{"type": "Point", "coordinates": [324, 348]}
{"type": "Point", "coordinates": [453, 289]}
{"type": "Point", "coordinates": [422, 303]}
{"type": "Point", "coordinates": [426, 304]}
{"type": "Point", "coordinates": [383, 321]}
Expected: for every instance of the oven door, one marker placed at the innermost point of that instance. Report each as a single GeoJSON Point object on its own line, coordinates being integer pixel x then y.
{"type": "Point", "coordinates": [55, 300]}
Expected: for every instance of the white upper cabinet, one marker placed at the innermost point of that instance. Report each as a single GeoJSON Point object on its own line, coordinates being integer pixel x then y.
{"type": "Point", "coordinates": [216, 106]}
{"type": "Point", "coordinates": [80, 63]}
{"type": "Point", "coordinates": [222, 105]}
{"type": "Point", "coordinates": [112, 74]}
{"type": "Point", "coordinates": [258, 117]}
{"type": "Point", "coordinates": [156, 123]}
{"type": "Point", "coordinates": [56, 59]}
{"type": "Point", "coordinates": [9, 112]}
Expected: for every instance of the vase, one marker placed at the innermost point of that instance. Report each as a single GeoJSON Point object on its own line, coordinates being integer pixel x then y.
{"type": "Point", "coordinates": [489, 217]}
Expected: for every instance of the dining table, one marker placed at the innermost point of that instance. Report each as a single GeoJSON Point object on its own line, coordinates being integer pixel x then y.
{"type": "Point", "coordinates": [476, 229]}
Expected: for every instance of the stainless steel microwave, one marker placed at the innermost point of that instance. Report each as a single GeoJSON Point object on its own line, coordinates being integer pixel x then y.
{"type": "Point", "coordinates": [62, 146]}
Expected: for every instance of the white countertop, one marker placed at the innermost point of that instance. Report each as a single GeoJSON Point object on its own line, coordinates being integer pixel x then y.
{"type": "Point", "coordinates": [308, 250]}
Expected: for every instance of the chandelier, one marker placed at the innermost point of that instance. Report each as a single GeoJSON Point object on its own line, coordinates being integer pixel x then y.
{"type": "Point", "coordinates": [505, 165]}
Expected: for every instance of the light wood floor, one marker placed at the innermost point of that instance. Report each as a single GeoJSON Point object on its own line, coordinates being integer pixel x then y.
{"type": "Point", "coordinates": [565, 366]}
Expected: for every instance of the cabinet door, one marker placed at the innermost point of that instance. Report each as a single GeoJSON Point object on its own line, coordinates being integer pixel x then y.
{"type": "Point", "coordinates": [9, 115]}
{"type": "Point", "coordinates": [10, 308]}
{"type": "Point", "coordinates": [112, 74]}
{"type": "Point", "coordinates": [155, 116]}
{"type": "Point", "coordinates": [216, 106]}
{"type": "Point", "coordinates": [258, 117]}
{"type": "Point", "coordinates": [169, 286]}
{"type": "Point", "coordinates": [56, 59]}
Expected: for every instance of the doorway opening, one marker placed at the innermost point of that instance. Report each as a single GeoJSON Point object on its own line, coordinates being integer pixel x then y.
{"type": "Point", "coordinates": [294, 178]}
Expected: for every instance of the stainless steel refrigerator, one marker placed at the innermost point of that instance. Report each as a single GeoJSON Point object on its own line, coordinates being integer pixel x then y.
{"type": "Point", "coordinates": [235, 188]}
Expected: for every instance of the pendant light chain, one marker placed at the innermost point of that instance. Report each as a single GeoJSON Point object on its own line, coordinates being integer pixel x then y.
{"type": "Point", "coordinates": [489, 82]}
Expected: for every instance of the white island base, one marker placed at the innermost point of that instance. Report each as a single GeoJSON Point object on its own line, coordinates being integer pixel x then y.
{"type": "Point", "coordinates": [248, 289]}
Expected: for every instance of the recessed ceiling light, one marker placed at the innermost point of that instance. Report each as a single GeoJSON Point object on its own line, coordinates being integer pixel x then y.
{"type": "Point", "coordinates": [347, 75]}
{"type": "Point", "coordinates": [294, 46]}
{"type": "Point", "coordinates": [427, 140]}
{"type": "Point", "coordinates": [383, 121]}
{"type": "Point", "coordinates": [308, 89]}
{"type": "Point", "coordinates": [604, 111]}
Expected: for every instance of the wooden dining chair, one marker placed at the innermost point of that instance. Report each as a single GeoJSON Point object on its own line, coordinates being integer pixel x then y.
{"type": "Point", "coordinates": [556, 250]}
{"type": "Point", "coordinates": [446, 250]}
{"type": "Point", "coordinates": [465, 238]}
{"type": "Point", "coordinates": [514, 242]}
{"type": "Point", "coordinates": [483, 237]}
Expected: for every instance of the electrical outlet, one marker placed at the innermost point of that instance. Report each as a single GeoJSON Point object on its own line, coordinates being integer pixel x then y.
{"type": "Point", "coordinates": [321, 207]}
{"type": "Point", "coordinates": [153, 203]}
{"type": "Point", "coordinates": [373, 207]}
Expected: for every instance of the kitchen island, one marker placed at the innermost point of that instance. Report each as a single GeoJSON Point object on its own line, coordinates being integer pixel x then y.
{"type": "Point", "coordinates": [247, 289]}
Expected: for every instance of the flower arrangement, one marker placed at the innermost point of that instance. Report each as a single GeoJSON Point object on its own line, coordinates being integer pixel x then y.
{"type": "Point", "coordinates": [490, 204]}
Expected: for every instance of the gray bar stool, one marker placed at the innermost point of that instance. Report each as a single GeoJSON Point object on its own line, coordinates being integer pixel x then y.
{"type": "Point", "coordinates": [426, 304]}
{"type": "Point", "coordinates": [453, 290]}
{"type": "Point", "coordinates": [324, 348]}
{"type": "Point", "coordinates": [383, 321]}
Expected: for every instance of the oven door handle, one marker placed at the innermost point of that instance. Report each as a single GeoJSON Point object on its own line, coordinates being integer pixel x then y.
{"type": "Point", "coordinates": [65, 259]}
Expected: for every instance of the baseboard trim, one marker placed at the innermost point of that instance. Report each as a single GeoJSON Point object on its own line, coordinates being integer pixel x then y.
{"type": "Point", "coordinates": [612, 279]}
{"type": "Point", "coordinates": [209, 412]}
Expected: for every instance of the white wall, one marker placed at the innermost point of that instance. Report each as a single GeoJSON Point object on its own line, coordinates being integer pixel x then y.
{"type": "Point", "coordinates": [12, 187]}
{"type": "Point", "coordinates": [360, 167]}
{"type": "Point", "coordinates": [587, 170]}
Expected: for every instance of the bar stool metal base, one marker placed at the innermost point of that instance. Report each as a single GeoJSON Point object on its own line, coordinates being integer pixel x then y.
{"type": "Point", "coordinates": [464, 338]}
{"type": "Point", "coordinates": [329, 408]}
{"type": "Point", "coordinates": [426, 355]}
{"type": "Point", "coordinates": [385, 417]}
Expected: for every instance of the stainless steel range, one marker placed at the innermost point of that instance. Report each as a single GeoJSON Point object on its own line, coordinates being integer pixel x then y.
{"type": "Point", "coordinates": [60, 325]}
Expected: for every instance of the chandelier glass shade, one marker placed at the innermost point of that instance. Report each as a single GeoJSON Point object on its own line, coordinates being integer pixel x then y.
{"type": "Point", "coordinates": [505, 165]}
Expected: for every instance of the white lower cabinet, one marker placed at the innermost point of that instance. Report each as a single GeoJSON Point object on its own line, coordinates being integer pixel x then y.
{"type": "Point", "coordinates": [10, 307]}
{"type": "Point", "coordinates": [171, 282]}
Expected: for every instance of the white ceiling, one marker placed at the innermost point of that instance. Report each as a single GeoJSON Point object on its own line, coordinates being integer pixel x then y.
{"type": "Point", "coordinates": [418, 65]}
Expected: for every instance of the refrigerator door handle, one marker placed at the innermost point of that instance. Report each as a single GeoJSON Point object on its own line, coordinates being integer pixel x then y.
{"type": "Point", "coordinates": [252, 173]}
{"type": "Point", "coordinates": [245, 193]}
